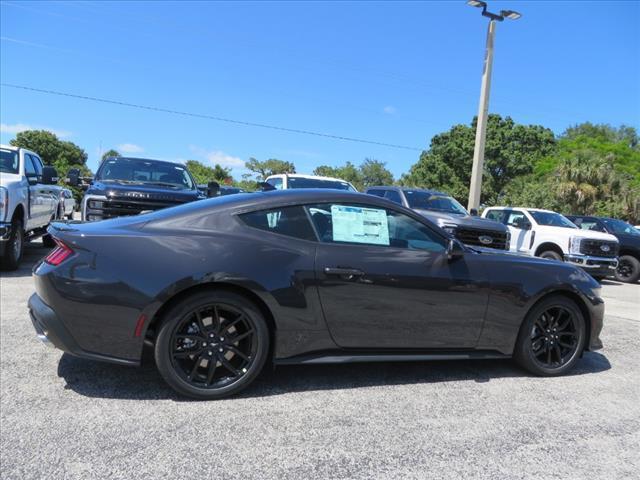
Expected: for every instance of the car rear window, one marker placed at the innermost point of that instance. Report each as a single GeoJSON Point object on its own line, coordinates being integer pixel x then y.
{"type": "Point", "coordinates": [289, 221]}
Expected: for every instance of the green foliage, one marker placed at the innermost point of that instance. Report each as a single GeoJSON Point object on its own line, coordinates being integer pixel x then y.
{"type": "Point", "coordinates": [511, 151]}
{"type": "Point", "coordinates": [370, 172]}
{"type": "Point", "coordinates": [110, 153]}
{"type": "Point", "coordinates": [272, 166]}
{"type": "Point", "coordinates": [603, 133]}
{"type": "Point", "coordinates": [205, 174]}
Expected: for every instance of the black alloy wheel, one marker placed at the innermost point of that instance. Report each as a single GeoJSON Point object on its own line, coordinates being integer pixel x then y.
{"type": "Point", "coordinates": [212, 345]}
{"type": "Point", "coordinates": [552, 337]}
{"type": "Point", "coordinates": [628, 269]}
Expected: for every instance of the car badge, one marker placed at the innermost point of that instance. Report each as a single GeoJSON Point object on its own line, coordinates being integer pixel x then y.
{"type": "Point", "coordinates": [485, 239]}
{"type": "Point", "coordinates": [605, 248]}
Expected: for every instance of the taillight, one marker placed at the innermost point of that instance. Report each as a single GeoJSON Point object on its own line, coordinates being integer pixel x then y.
{"type": "Point", "coordinates": [58, 254]}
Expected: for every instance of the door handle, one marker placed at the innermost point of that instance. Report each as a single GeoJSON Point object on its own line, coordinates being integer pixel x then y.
{"type": "Point", "coordinates": [344, 272]}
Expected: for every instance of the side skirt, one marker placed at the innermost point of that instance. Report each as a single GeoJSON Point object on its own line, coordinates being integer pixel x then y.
{"type": "Point", "coordinates": [354, 357]}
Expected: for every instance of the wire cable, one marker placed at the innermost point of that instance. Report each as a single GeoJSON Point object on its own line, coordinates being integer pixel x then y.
{"type": "Point", "coordinates": [210, 117]}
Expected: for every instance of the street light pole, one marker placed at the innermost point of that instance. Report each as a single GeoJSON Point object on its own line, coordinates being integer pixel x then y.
{"type": "Point", "coordinates": [475, 188]}
{"type": "Point", "coordinates": [481, 127]}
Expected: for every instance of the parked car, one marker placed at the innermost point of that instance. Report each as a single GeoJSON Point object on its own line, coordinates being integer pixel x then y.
{"type": "Point", "coordinates": [28, 202]}
{"type": "Point", "coordinates": [129, 186]}
{"type": "Point", "coordinates": [219, 189]}
{"type": "Point", "coordinates": [547, 234]}
{"type": "Point", "coordinates": [287, 181]}
{"type": "Point", "coordinates": [67, 204]}
{"type": "Point", "coordinates": [629, 255]}
{"type": "Point", "coordinates": [448, 214]}
{"type": "Point", "coordinates": [222, 286]}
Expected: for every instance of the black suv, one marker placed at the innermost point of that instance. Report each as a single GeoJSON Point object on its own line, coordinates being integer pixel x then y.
{"type": "Point", "coordinates": [445, 211]}
{"type": "Point", "coordinates": [629, 257]}
{"type": "Point", "coordinates": [129, 186]}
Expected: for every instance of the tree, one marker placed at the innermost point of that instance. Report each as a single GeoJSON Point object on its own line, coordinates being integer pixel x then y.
{"type": "Point", "coordinates": [511, 150]}
{"type": "Point", "coordinates": [205, 174]}
{"type": "Point", "coordinates": [374, 172]}
{"type": "Point", "coordinates": [604, 133]}
{"type": "Point", "coordinates": [62, 155]}
{"type": "Point", "coordinates": [268, 167]}
{"type": "Point", "coordinates": [110, 153]}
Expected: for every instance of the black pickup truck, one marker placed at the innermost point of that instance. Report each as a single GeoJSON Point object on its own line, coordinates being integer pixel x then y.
{"type": "Point", "coordinates": [629, 256]}
{"type": "Point", "coordinates": [129, 186]}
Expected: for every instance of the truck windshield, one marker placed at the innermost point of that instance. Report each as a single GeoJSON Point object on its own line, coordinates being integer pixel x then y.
{"type": "Point", "coordinates": [551, 219]}
{"type": "Point", "coordinates": [301, 182]}
{"type": "Point", "coordinates": [148, 172]}
{"type": "Point", "coordinates": [434, 201]}
{"type": "Point", "coordinates": [9, 161]}
{"type": "Point", "coordinates": [620, 227]}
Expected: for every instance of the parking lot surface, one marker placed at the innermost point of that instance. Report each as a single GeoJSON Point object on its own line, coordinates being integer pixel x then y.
{"type": "Point", "coordinates": [62, 417]}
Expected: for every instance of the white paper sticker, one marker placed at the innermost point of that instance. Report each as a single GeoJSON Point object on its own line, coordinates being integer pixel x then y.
{"type": "Point", "coordinates": [359, 225]}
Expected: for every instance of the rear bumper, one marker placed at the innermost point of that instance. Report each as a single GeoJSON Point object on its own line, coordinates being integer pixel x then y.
{"type": "Point", "coordinates": [52, 332]}
{"type": "Point", "coordinates": [598, 266]}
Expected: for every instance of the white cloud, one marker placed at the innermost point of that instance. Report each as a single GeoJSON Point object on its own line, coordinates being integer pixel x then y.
{"type": "Point", "coordinates": [390, 110]}
{"type": "Point", "coordinates": [130, 148]}
{"type": "Point", "coordinates": [21, 127]}
{"type": "Point", "coordinates": [218, 156]}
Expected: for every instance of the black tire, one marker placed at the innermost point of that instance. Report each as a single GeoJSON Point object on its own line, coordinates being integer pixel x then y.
{"type": "Point", "coordinates": [14, 247]}
{"type": "Point", "coordinates": [551, 255]}
{"type": "Point", "coordinates": [628, 269]}
{"type": "Point", "coordinates": [547, 352]}
{"type": "Point", "coordinates": [47, 241]}
{"type": "Point", "coordinates": [217, 317]}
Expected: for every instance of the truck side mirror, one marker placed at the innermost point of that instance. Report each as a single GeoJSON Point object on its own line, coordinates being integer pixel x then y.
{"type": "Point", "coordinates": [49, 175]}
{"type": "Point", "coordinates": [474, 212]}
{"type": "Point", "coordinates": [73, 177]}
{"type": "Point", "coordinates": [213, 189]}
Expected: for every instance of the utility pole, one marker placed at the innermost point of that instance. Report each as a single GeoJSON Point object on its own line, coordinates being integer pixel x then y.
{"type": "Point", "coordinates": [475, 188]}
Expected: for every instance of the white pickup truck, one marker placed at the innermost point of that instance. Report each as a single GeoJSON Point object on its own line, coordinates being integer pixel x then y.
{"type": "Point", "coordinates": [29, 200]}
{"type": "Point", "coordinates": [547, 234]}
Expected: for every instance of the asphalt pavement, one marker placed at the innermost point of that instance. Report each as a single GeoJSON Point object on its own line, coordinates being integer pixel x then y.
{"type": "Point", "coordinates": [66, 418]}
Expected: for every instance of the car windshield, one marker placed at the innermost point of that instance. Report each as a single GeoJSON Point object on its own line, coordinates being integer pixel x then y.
{"type": "Point", "coordinates": [434, 201]}
{"type": "Point", "coordinates": [551, 219]}
{"type": "Point", "coordinates": [9, 161]}
{"type": "Point", "coordinates": [301, 182]}
{"type": "Point", "coordinates": [148, 172]}
{"type": "Point", "coordinates": [620, 227]}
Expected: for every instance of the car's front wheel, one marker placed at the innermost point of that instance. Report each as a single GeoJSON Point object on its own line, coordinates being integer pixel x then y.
{"type": "Point", "coordinates": [628, 269]}
{"type": "Point", "coordinates": [212, 344]}
{"type": "Point", "coordinates": [552, 337]}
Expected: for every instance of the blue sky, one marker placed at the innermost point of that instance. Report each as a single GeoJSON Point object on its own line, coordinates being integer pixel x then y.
{"type": "Point", "coordinates": [396, 72]}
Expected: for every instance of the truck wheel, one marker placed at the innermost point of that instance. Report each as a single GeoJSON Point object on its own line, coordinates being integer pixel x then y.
{"type": "Point", "coordinates": [628, 269]}
{"type": "Point", "coordinates": [14, 247]}
{"type": "Point", "coordinates": [551, 255]}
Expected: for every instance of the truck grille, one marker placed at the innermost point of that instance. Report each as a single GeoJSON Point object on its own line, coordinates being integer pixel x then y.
{"type": "Point", "coordinates": [594, 248]}
{"type": "Point", "coordinates": [120, 207]}
{"type": "Point", "coordinates": [471, 236]}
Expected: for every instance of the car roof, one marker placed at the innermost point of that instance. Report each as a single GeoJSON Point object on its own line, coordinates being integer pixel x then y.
{"type": "Point", "coordinates": [146, 160]}
{"type": "Point", "coordinates": [300, 175]}
{"type": "Point", "coordinates": [407, 189]}
{"type": "Point", "coordinates": [521, 208]}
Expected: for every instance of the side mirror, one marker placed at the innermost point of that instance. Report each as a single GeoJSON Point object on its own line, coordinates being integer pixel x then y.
{"type": "Point", "coordinates": [213, 189]}
{"type": "Point", "coordinates": [454, 250]}
{"type": "Point", "coordinates": [474, 212]}
{"type": "Point", "coordinates": [73, 177]}
{"type": "Point", "coordinates": [49, 175]}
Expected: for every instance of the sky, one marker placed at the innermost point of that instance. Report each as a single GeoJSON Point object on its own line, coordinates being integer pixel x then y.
{"type": "Point", "coordinates": [388, 72]}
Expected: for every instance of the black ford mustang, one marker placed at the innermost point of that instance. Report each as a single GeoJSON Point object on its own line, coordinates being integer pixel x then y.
{"type": "Point", "coordinates": [222, 286]}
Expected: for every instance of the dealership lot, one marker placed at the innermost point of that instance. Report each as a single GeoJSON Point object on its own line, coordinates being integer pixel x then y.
{"type": "Point", "coordinates": [67, 418]}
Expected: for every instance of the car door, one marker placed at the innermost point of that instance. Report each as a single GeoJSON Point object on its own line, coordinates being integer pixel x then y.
{"type": "Point", "coordinates": [35, 201]}
{"type": "Point", "coordinates": [46, 195]}
{"type": "Point", "coordinates": [385, 281]}
{"type": "Point", "coordinates": [520, 228]}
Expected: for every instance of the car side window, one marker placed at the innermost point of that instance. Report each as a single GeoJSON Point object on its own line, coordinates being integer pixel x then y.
{"type": "Point", "coordinates": [497, 215]}
{"type": "Point", "coordinates": [592, 225]}
{"type": "Point", "coordinates": [372, 225]}
{"type": "Point", "coordinates": [394, 196]}
{"type": "Point", "coordinates": [289, 221]}
{"type": "Point", "coordinates": [377, 193]}
{"type": "Point", "coordinates": [37, 163]}
{"type": "Point", "coordinates": [275, 183]}
{"type": "Point", "coordinates": [518, 220]}
{"type": "Point", "coordinates": [29, 168]}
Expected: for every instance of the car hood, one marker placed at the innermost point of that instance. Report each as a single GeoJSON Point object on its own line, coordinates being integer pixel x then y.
{"type": "Point", "coordinates": [629, 240]}
{"type": "Point", "coordinates": [141, 191]}
{"type": "Point", "coordinates": [443, 218]}
{"type": "Point", "coordinates": [7, 179]}
{"type": "Point", "coordinates": [577, 232]}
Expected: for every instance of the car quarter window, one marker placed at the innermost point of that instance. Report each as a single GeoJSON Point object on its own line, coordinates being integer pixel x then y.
{"type": "Point", "coordinates": [394, 196]}
{"type": "Point", "coordinates": [372, 225]}
{"type": "Point", "coordinates": [290, 221]}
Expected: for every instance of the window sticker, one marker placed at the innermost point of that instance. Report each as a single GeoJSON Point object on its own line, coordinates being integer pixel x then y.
{"type": "Point", "coordinates": [360, 225]}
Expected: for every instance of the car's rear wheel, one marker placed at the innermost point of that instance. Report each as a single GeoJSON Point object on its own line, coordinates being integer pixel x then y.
{"type": "Point", "coordinates": [212, 344]}
{"type": "Point", "coordinates": [14, 247]}
{"type": "Point", "coordinates": [628, 269]}
{"type": "Point", "coordinates": [551, 255]}
{"type": "Point", "coordinates": [551, 338]}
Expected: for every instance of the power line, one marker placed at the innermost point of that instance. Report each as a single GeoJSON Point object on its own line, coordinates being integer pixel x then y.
{"type": "Point", "coordinates": [211, 117]}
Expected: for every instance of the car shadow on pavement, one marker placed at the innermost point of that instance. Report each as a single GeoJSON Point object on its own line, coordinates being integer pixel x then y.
{"type": "Point", "coordinates": [33, 252]}
{"type": "Point", "coordinates": [104, 380]}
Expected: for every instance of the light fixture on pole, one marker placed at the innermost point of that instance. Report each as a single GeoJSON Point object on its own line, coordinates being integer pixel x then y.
{"type": "Point", "coordinates": [483, 109]}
